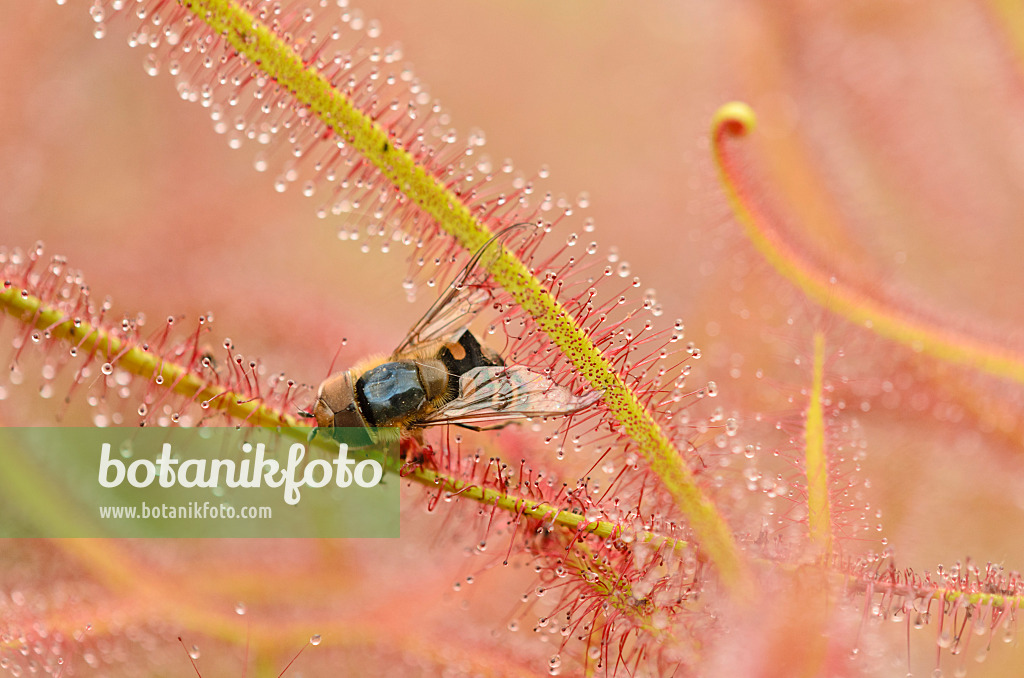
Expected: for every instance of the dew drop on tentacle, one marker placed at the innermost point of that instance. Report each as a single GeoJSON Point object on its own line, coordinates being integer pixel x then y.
{"type": "Point", "coordinates": [151, 65]}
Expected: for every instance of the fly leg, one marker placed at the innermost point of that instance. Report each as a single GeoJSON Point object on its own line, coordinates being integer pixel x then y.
{"type": "Point", "coordinates": [495, 427]}
{"type": "Point", "coordinates": [313, 431]}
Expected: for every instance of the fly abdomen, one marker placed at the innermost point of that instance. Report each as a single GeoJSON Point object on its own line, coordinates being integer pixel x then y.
{"type": "Point", "coordinates": [464, 355]}
{"type": "Point", "coordinates": [388, 394]}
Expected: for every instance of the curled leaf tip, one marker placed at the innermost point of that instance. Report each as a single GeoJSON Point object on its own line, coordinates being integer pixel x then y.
{"type": "Point", "coordinates": [735, 118]}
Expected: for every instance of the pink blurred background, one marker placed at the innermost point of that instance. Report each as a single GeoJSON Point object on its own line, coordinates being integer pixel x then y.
{"type": "Point", "coordinates": [889, 139]}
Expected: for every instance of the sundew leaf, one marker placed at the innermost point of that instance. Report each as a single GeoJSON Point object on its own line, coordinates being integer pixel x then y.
{"type": "Point", "coordinates": [848, 300]}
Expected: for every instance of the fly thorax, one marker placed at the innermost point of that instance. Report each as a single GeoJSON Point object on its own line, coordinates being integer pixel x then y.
{"type": "Point", "coordinates": [390, 393]}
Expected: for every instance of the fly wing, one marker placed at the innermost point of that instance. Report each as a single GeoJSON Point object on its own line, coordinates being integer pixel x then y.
{"type": "Point", "coordinates": [464, 298]}
{"type": "Point", "coordinates": [496, 394]}
{"type": "Point", "coordinates": [449, 315]}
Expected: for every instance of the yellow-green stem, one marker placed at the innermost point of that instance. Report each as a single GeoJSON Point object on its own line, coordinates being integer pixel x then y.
{"type": "Point", "coordinates": [88, 339]}
{"type": "Point", "coordinates": [815, 460]}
